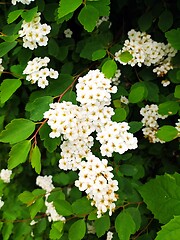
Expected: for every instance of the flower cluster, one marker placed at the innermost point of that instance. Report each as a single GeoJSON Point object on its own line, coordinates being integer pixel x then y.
{"type": "Point", "coordinates": [22, 1]}
{"type": "Point", "coordinates": [75, 124]}
{"type": "Point", "coordinates": [5, 175]}
{"type": "Point", "coordinates": [109, 235]}
{"type": "Point", "coordinates": [68, 33]}
{"type": "Point", "coordinates": [95, 178]}
{"type": "Point", "coordinates": [34, 33]}
{"type": "Point", "coordinates": [1, 67]}
{"type": "Point", "coordinates": [146, 51]}
{"type": "Point", "coordinates": [37, 71]}
{"type": "Point", "coordinates": [45, 182]}
{"type": "Point", "coordinates": [178, 127]}
{"type": "Point", "coordinates": [165, 83]}
{"type": "Point", "coordinates": [115, 80]}
{"type": "Point", "coordinates": [150, 116]}
{"type": "Point", "coordinates": [101, 20]}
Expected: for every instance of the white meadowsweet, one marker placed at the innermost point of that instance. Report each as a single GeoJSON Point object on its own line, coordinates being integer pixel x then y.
{"type": "Point", "coordinates": [68, 33]}
{"type": "Point", "coordinates": [22, 1]}
{"type": "Point", "coordinates": [115, 80]}
{"type": "Point", "coordinates": [124, 100]}
{"type": "Point", "coordinates": [178, 127]}
{"type": "Point", "coordinates": [1, 67]}
{"type": "Point", "coordinates": [101, 20]}
{"type": "Point", "coordinates": [5, 175]}
{"type": "Point", "coordinates": [34, 33]}
{"type": "Point", "coordinates": [1, 202]}
{"type": "Point", "coordinates": [146, 51]}
{"type": "Point", "coordinates": [109, 235]}
{"type": "Point", "coordinates": [37, 71]}
{"type": "Point", "coordinates": [165, 83]}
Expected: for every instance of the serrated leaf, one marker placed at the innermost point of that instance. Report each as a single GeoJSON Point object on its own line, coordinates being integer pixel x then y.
{"type": "Point", "coordinates": [63, 207]}
{"type": "Point", "coordinates": [26, 197]}
{"type": "Point", "coordinates": [7, 88]}
{"type": "Point", "coordinates": [109, 68]}
{"type": "Point", "coordinates": [88, 17]}
{"type": "Point", "coordinates": [36, 207]}
{"type": "Point", "coordinates": [165, 20]}
{"type": "Point", "coordinates": [120, 115]}
{"type": "Point", "coordinates": [170, 231]}
{"type": "Point", "coordinates": [102, 6]}
{"type": "Point", "coordinates": [77, 230]}
{"type": "Point", "coordinates": [98, 54]}
{"type": "Point", "coordinates": [173, 37]}
{"type": "Point", "coordinates": [56, 230]}
{"type": "Point", "coordinates": [35, 158]}
{"type": "Point", "coordinates": [167, 133]}
{"type": "Point", "coordinates": [177, 92]}
{"type": "Point", "coordinates": [145, 21]}
{"type": "Point", "coordinates": [125, 57]}
{"type": "Point", "coordinates": [168, 108]}
{"type": "Point", "coordinates": [164, 203]}
{"type": "Point", "coordinates": [29, 14]}
{"type": "Point", "coordinates": [5, 47]}
{"type": "Point", "coordinates": [82, 206]}
{"type": "Point", "coordinates": [19, 153]}
{"type": "Point", "coordinates": [17, 130]}
{"type": "Point", "coordinates": [68, 6]}
{"type": "Point", "coordinates": [124, 225]}
{"type": "Point", "coordinates": [102, 225]}
{"type": "Point", "coordinates": [12, 16]}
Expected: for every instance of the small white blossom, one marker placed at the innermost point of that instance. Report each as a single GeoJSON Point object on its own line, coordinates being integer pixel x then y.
{"type": "Point", "coordinates": [165, 83]}
{"type": "Point", "coordinates": [68, 33]}
{"type": "Point", "coordinates": [109, 235]}
{"type": "Point", "coordinates": [22, 1]}
{"type": "Point", "coordinates": [1, 203]}
{"type": "Point", "coordinates": [5, 175]}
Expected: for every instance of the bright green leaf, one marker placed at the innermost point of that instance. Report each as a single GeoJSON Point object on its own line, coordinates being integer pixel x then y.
{"type": "Point", "coordinates": [165, 20]}
{"type": "Point", "coordinates": [102, 6]}
{"type": "Point", "coordinates": [17, 130]}
{"type": "Point", "coordinates": [56, 230]}
{"type": "Point", "coordinates": [177, 92]}
{"type": "Point", "coordinates": [5, 47]}
{"type": "Point", "coordinates": [88, 17]}
{"type": "Point", "coordinates": [36, 207]}
{"type": "Point", "coordinates": [29, 14]}
{"type": "Point", "coordinates": [63, 207]}
{"type": "Point", "coordinates": [68, 6]}
{"type": "Point", "coordinates": [102, 225]}
{"type": "Point", "coordinates": [136, 94]}
{"type": "Point", "coordinates": [19, 153]}
{"type": "Point", "coordinates": [120, 115]}
{"type": "Point", "coordinates": [125, 57]}
{"type": "Point", "coordinates": [7, 88]}
{"type": "Point", "coordinates": [26, 197]}
{"type": "Point", "coordinates": [82, 206]}
{"type": "Point", "coordinates": [167, 133]}
{"type": "Point", "coordinates": [14, 15]}
{"type": "Point", "coordinates": [77, 230]}
{"type": "Point", "coordinates": [98, 54]}
{"type": "Point", "coordinates": [164, 203]}
{"type": "Point", "coordinates": [173, 37]}
{"type": "Point", "coordinates": [170, 231]}
{"type": "Point", "coordinates": [35, 158]}
{"type": "Point", "coordinates": [109, 68]}
{"type": "Point", "coordinates": [168, 108]}
{"type": "Point", "coordinates": [125, 225]}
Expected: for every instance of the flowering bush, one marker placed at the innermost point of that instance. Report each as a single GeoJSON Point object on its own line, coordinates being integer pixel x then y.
{"type": "Point", "coordinates": [90, 126]}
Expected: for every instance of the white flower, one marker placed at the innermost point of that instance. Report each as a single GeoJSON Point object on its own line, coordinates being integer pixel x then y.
{"type": "Point", "coordinates": [5, 175]}
{"type": "Point", "coordinates": [1, 203]}
{"type": "Point", "coordinates": [22, 1]}
{"type": "Point", "coordinates": [109, 235]}
{"type": "Point", "coordinates": [45, 182]}
{"type": "Point", "coordinates": [68, 33]}
{"type": "Point", "coordinates": [165, 83]}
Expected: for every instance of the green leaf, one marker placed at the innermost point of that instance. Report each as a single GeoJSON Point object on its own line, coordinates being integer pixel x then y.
{"type": "Point", "coordinates": [153, 92]}
{"type": "Point", "coordinates": [137, 94]}
{"type": "Point", "coordinates": [29, 14]}
{"type": "Point", "coordinates": [167, 133]}
{"type": "Point", "coordinates": [173, 37]}
{"type": "Point", "coordinates": [38, 107]}
{"type": "Point", "coordinates": [164, 203]}
{"type": "Point", "coordinates": [125, 57]}
{"type": "Point", "coordinates": [77, 230]}
{"type": "Point", "coordinates": [35, 158]}
{"type": "Point", "coordinates": [102, 225]}
{"type": "Point", "coordinates": [109, 68]}
{"type": "Point", "coordinates": [102, 6]}
{"type": "Point", "coordinates": [170, 231]}
{"type": "Point", "coordinates": [17, 130]}
{"type": "Point", "coordinates": [125, 225]}
{"type": "Point", "coordinates": [136, 216]}
{"type": "Point", "coordinates": [98, 54]}
{"type": "Point", "coordinates": [10, 38]}
{"type": "Point", "coordinates": [88, 17]}
{"type": "Point", "coordinates": [7, 88]}
{"type": "Point", "coordinates": [26, 197]}
{"type": "Point", "coordinates": [177, 92]}
{"type": "Point", "coordinates": [135, 126]}
{"type": "Point", "coordinates": [128, 170]}
{"type": "Point", "coordinates": [168, 108]}
{"type": "Point", "coordinates": [120, 115]}
{"type": "Point", "coordinates": [12, 16]}
{"type": "Point", "coordinates": [5, 47]}
{"type": "Point", "coordinates": [36, 207]}
{"type": "Point", "coordinates": [145, 21]}
{"type": "Point", "coordinates": [19, 153]}
{"type": "Point", "coordinates": [56, 230]}
{"type": "Point", "coordinates": [68, 6]}
{"type": "Point", "coordinates": [82, 206]}
{"type": "Point", "coordinates": [165, 20]}
{"type": "Point", "coordinates": [63, 207]}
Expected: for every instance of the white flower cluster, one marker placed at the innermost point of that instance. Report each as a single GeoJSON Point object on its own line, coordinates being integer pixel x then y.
{"type": "Point", "coordinates": [45, 182]}
{"type": "Point", "coordinates": [151, 115]}
{"type": "Point", "coordinates": [115, 80]}
{"type": "Point", "coordinates": [165, 83]}
{"type": "Point", "coordinates": [178, 127]}
{"type": "Point", "coordinates": [68, 33]}
{"type": "Point", "coordinates": [95, 178]}
{"type": "Point", "coordinates": [37, 71]}
{"type": "Point", "coordinates": [1, 67]}
{"type": "Point", "coordinates": [22, 1]}
{"type": "Point", "coordinates": [124, 100]}
{"type": "Point", "coordinates": [148, 52]}
{"type": "Point", "coordinates": [109, 235]}
{"type": "Point", "coordinates": [101, 20]}
{"type": "Point", "coordinates": [34, 33]}
{"type": "Point", "coordinates": [1, 203]}
{"type": "Point", "coordinates": [75, 124]}
{"type": "Point", "coordinates": [5, 175]}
